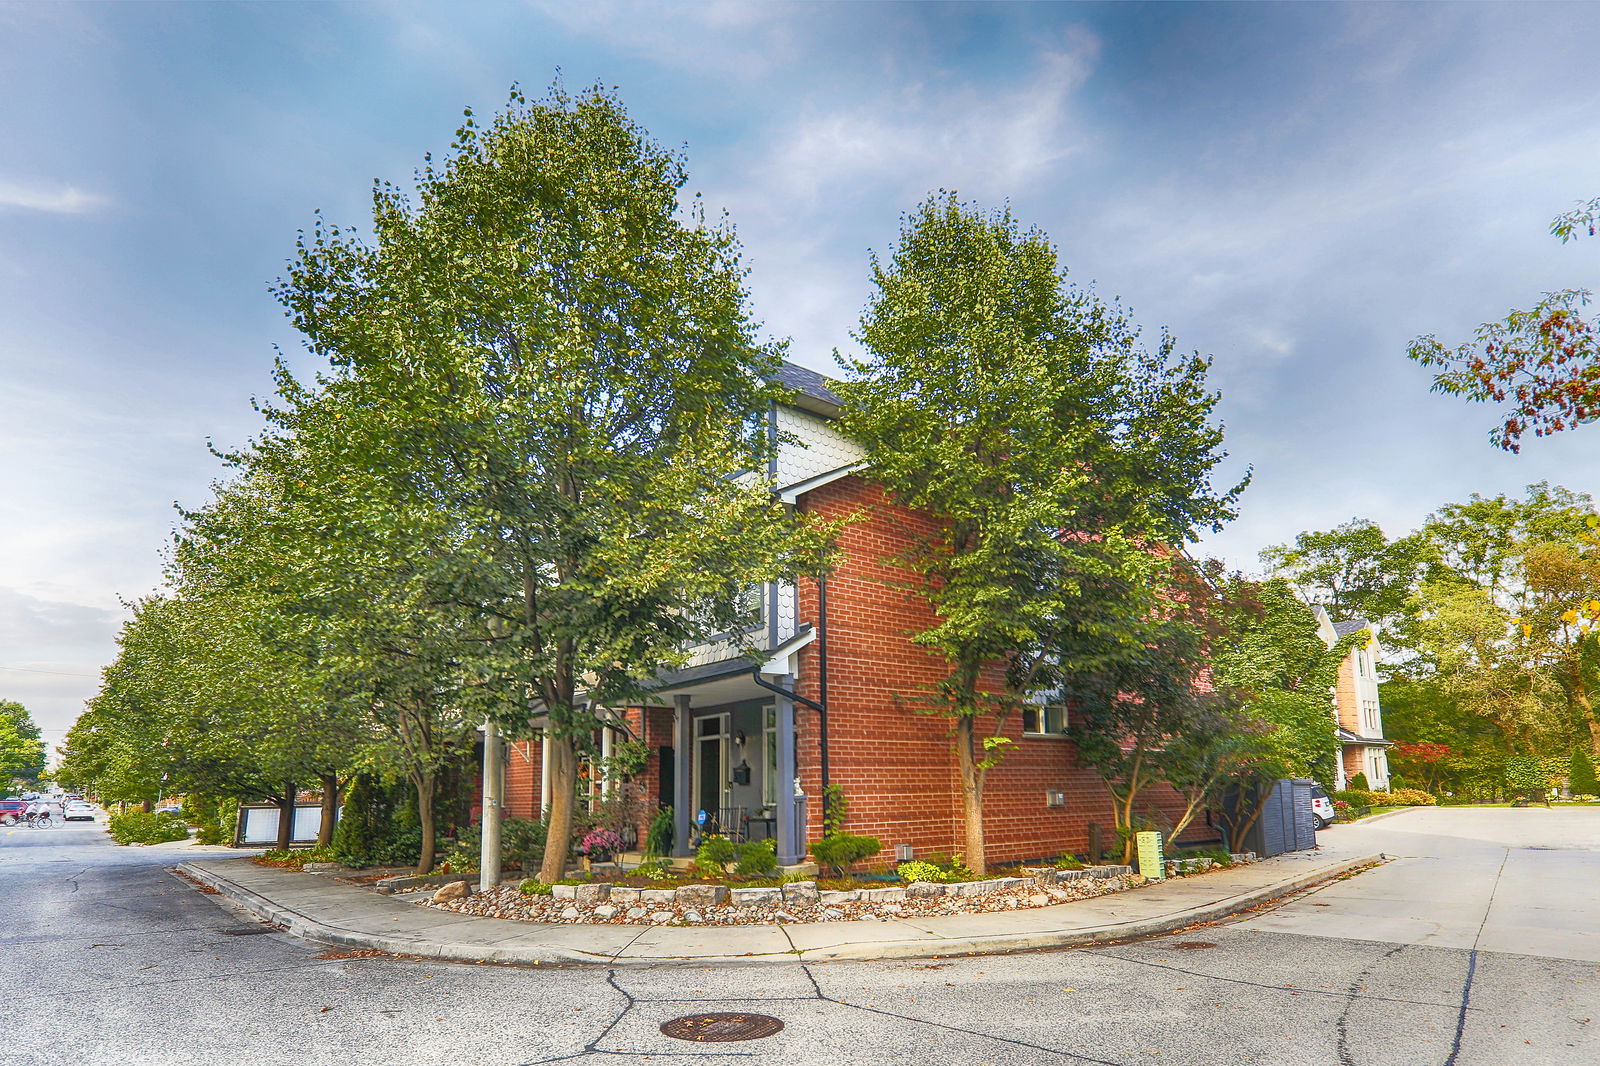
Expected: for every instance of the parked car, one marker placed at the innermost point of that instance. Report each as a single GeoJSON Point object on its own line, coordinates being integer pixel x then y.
{"type": "Point", "coordinates": [1322, 809]}
{"type": "Point", "coordinates": [12, 810]}
{"type": "Point", "coordinates": [170, 809]}
{"type": "Point", "coordinates": [78, 811]}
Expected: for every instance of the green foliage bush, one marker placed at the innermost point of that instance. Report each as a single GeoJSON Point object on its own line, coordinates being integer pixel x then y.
{"type": "Point", "coordinates": [1581, 779]}
{"type": "Point", "coordinates": [522, 842]}
{"type": "Point", "coordinates": [1527, 777]}
{"type": "Point", "coordinates": [465, 855]}
{"type": "Point", "coordinates": [839, 850]}
{"type": "Point", "coordinates": [532, 887]}
{"type": "Point", "coordinates": [715, 853]}
{"type": "Point", "coordinates": [1404, 797]}
{"type": "Point", "coordinates": [918, 870]}
{"type": "Point", "coordinates": [137, 827]}
{"type": "Point", "coordinates": [1067, 861]}
{"type": "Point", "coordinates": [379, 825]}
{"type": "Point", "coordinates": [1359, 783]}
{"type": "Point", "coordinates": [659, 837]}
{"type": "Point", "coordinates": [758, 858]}
{"type": "Point", "coordinates": [1355, 797]}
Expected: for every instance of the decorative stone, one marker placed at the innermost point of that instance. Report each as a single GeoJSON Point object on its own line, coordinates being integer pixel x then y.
{"type": "Point", "coordinates": [1009, 883]}
{"type": "Point", "coordinates": [800, 893]}
{"type": "Point", "coordinates": [1040, 875]}
{"type": "Point", "coordinates": [924, 890]}
{"type": "Point", "coordinates": [620, 894]}
{"type": "Point", "coordinates": [661, 917]}
{"type": "Point", "coordinates": [756, 897]}
{"type": "Point", "coordinates": [1038, 899]}
{"type": "Point", "coordinates": [605, 910]}
{"type": "Point", "coordinates": [656, 895]}
{"type": "Point", "coordinates": [784, 916]}
{"type": "Point", "coordinates": [1060, 895]}
{"type": "Point", "coordinates": [893, 908]}
{"type": "Point", "coordinates": [973, 888]}
{"type": "Point", "coordinates": [1101, 872]}
{"type": "Point", "coordinates": [831, 897]}
{"type": "Point", "coordinates": [454, 890]}
{"type": "Point", "coordinates": [563, 891]}
{"type": "Point", "coordinates": [634, 913]}
{"type": "Point", "coordinates": [882, 895]}
{"type": "Point", "coordinates": [571, 914]}
{"type": "Point", "coordinates": [833, 914]}
{"type": "Point", "coordinates": [323, 867]}
{"type": "Point", "coordinates": [1071, 875]}
{"type": "Point", "coordinates": [692, 916]}
{"type": "Point", "coordinates": [589, 895]}
{"type": "Point", "coordinates": [702, 895]}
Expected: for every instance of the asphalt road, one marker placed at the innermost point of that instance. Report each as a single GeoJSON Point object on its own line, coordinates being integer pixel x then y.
{"type": "Point", "coordinates": [110, 959]}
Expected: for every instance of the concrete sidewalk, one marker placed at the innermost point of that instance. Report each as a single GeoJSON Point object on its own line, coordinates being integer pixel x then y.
{"type": "Point", "coordinates": [327, 912]}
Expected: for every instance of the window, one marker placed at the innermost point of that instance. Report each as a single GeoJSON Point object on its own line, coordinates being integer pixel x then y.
{"type": "Point", "coordinates": [769, 779]}
{"type": "Point", "coordinates": [1044, 719]}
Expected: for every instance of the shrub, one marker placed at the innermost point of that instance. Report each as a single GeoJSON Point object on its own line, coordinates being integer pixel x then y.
{"type": "Point", "coordinates": [1067, 861]}
{"type": "Point", "coordinates": [918, 870]}
{"type": "Point", "coordinates": [137, 827]}
{"type": "Point", "coordinates": [1359, 783]}
{"type": "Point", "coordinates": [466, 855]}
{"type": "Point", "coordinates": [522, 842]}
{"type": "Point", "coordinates": [839, 850]}
{"type": "Point", "coordinates": [532, 887]}
{"type": "Point", "coordinates": [1355, 797]}
{"type": "Point", "coordinates": [295, 858]}
{"type": "Point", "coordinates": [715, 853]}
{"type": "Point", "coordinates": [658, 839]}
{"type": "Point", "coordinates": [1581, 779]}
{"type": "Point", "coordinates": [1404, 797]}
{"type": "Point", "coordinates": [758, 858]}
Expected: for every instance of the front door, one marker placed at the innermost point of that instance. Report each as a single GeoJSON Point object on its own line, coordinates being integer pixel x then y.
{"type": "Point", "coordinates": [711, 784]}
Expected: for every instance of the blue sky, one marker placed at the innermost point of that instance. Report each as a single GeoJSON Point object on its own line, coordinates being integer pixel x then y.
{"type": "Point", "coordinates": [1295, 189]}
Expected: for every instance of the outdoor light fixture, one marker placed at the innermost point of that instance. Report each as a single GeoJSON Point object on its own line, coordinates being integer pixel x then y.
{"type": "Point", "coordinates": [741, 773]}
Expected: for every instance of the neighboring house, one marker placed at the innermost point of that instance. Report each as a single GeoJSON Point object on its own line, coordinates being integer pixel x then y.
{"type": "Point", "coordinates": [743, 744]}
{"type": "Point", "coordinates": [1362, 748]}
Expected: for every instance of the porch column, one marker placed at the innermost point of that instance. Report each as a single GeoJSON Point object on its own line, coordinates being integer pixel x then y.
{"type": "Point", "coordinates": [607, 740]}
{"type": "Point", "coordinates": [791, 836]}
{"type": "Point", "coordinates": [682, 739]}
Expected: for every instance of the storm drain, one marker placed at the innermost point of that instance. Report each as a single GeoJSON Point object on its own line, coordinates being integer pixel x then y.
{"type": "Point", "coordinates": [720, 1028]}
{"type": "Point", "coordinates": [255, 930]}
{"type": "Point", "coordinates": [1193, 945]}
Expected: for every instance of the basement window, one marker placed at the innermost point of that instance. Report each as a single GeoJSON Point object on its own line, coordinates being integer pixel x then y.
{"type": "Point", "coordinates": [1044, 719]}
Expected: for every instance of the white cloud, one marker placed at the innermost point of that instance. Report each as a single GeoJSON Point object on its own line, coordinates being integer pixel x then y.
{"type": "Point", "coordinates": [51, 199]}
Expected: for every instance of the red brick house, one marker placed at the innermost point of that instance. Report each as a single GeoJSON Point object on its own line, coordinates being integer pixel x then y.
{"type": "Point", "coordinates": [744, 743]}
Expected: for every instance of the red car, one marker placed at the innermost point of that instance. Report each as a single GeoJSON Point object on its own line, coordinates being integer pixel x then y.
{"type": "Point", "coordinates": [11, 811]}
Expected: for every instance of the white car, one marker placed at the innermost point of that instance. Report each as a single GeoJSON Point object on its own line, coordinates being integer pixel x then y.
{"type": "Point", "coordinates": [78, 810]}
{"type": "Point", "coordinates": [1322, 809]}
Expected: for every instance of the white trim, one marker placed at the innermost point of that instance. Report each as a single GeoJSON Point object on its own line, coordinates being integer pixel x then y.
{"type": "Point", "coordinates": [783, 660]}
{"type": "Point", "coordinates": [791, 494]}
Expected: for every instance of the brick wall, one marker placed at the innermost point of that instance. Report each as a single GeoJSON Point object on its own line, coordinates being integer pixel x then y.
{"type": "Point", "coordinates": [897, 766]}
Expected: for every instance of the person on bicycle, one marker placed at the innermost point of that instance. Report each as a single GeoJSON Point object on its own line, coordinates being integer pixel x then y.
{"type": "Point", "coordinates": [39, 811]}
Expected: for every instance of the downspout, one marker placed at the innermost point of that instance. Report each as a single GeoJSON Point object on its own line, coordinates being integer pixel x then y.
{"type": "Point", "coordinates": [820, 706]}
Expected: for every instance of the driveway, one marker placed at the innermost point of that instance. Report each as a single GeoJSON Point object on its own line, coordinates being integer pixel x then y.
{"type": "Point", "coordinates": [1519, 881]}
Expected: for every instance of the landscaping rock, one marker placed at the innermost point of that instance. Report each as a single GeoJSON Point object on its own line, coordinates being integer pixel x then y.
{"type": "Point", "coordinates": [634, 913]}
{"type": "Point", "coordinates": [619, 894]}
{"type": "Point", "coordinates": [605, 911]}
{"type": "Point", "coordinates": [882, 895]}
{"type": "Point", "coordinates": [564, 891]}
{"type": "Point", "coordinates": [973, 888]}
{"type": "Point", "coordinates": [1039, 899]}
{"type": "Point", "coordinates": [656, 895]}
{"type": "Point", "coordinates": [1059, 895]}
{"type": "Point", "coordinates": [832, 898]}
{"type": "Point", "coordinates": [924, 890]}
{"type": "Point", "coordinates": [1040, 875]}
{"type": "Point", "coordinates": [1071, 875]}
{"type": "Point", "coordinates": [324, 868]}
{"type": "Point", "coordinates": [702, 895]}
{"type": "Point", "coordinates": [589, 895]}
{"type": "Point", "coordinates": [1009, 883]}
{"type": "Point", "coordinates": [800, 893]}
{"type": "Point", "coordinates": [571, 914]}
{"type": "Point", "coordinates": [784, 916]}
{"type": "Point", "coordinates": [756, 897]}
{"type": "Point", "coordinates": [661, 917]}
{"type": "Point", "coordinates": [454, 890]}
{"type": "Point", "coordinates": [693, 917]}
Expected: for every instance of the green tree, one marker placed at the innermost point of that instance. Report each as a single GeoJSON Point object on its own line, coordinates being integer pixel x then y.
{"type": "Point", "coordinates": [1581, 779]}
{"type": "Point", "coordinates": [553, 368]}
{"type": "Point", "coordinates": [1543, 362]}
{"type": "Point", "coordinates": [22, 752]}
{"type": "Point", "coordinates": [1353, 569]}
{"type": "Point", "coordinates": [1055, 454]}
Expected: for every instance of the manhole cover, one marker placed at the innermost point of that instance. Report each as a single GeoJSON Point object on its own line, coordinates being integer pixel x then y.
{"type": "Point", "coordinates": [721, 1027]}
{"type": "Point", "coordinates": [1193, 945]}
{"type": "Point", "coordinates": [254, 931]}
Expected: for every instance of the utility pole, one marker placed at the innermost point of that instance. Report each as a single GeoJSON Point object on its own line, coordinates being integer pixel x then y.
{"type": "Point", "coordinates": [493, 791]}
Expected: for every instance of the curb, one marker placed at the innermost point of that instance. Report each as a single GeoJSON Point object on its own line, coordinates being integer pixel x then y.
{"type": "Point", "coordinates": [312, 929]}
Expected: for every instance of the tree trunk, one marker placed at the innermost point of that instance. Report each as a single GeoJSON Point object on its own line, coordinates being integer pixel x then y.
{"type": "Point", "coordinates": [286, 816]}
{"type": "Point", "coordinates": [971, 795]}
{"type": "Point", "coordinates": [563, 787]}
{"type": "Point", "coordinates": [424, 784]}
{"type": "Point", "coordinates": [148, 806]}
{"type": "Point", "coordinates": [330, 809]}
